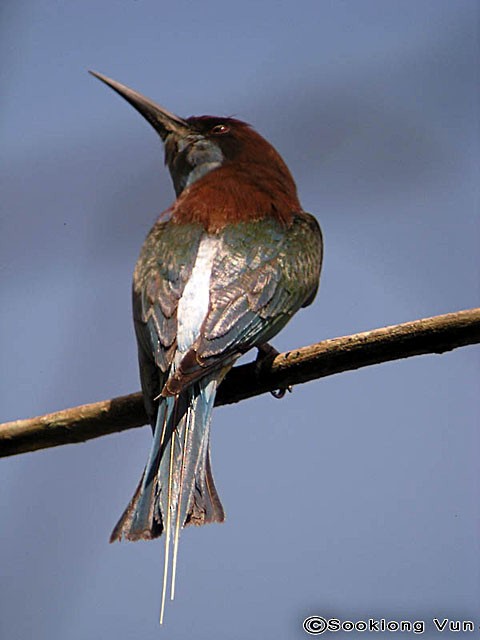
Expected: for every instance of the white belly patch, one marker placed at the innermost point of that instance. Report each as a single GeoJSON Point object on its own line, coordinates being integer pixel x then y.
{"type": "Point", "coordinates": [193, 305]}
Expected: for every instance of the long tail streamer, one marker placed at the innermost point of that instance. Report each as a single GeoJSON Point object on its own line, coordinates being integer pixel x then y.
{"type": "Point", "coordinates": [177, 487]}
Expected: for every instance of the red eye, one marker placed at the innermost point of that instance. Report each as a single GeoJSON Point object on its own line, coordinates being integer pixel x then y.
{"type": "Point", "coordinates": [220, 128]}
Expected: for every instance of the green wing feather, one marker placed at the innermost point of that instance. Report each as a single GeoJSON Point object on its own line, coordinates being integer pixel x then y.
{"type": "Point", "coordinates": [262, 275]}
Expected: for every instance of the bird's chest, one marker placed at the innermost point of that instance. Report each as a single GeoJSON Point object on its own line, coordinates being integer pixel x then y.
{"type": "Point", "coordinates": [195, 299]}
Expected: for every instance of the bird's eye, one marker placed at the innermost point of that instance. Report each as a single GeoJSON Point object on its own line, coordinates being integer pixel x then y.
{"type": "Point", "coordinates": [220, 128]}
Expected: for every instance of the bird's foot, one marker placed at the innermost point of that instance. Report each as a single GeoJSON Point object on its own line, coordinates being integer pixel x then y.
{"type": "Point", "coordinates": [279, 393]}
{"type": "Point", "coordinates": [265, 356]}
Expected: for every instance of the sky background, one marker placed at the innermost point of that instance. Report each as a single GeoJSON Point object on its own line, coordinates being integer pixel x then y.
{"type": "Point", "coordinates": [359, 494]}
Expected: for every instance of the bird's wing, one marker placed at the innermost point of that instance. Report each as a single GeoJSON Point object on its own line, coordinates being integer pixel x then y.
{"type": "Point", "coordinates": [262, 274]}
{"type": "Point", "coordinates": [165, 264]}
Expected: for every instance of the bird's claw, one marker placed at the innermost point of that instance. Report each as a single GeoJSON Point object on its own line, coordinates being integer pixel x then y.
{"type": "Point", "coordinates": [266, 354]}
{"type": "Point", "coordinates": [280, 393]}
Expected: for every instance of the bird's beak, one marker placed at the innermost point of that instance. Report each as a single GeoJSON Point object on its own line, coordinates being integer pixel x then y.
{"type": "Point", "coordinates": [161, 120]}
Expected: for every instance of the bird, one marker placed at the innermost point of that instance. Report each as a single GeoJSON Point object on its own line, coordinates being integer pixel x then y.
{"type": "Point", "coordinates": [222, 271]}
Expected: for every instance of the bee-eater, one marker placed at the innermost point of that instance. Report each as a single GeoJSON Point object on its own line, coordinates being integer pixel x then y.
{"type": "Point", "coordinates": [221, 271]}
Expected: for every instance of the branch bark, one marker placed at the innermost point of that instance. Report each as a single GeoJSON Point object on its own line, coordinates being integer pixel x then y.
{"type": "Point", "coordinates": [78, 424]}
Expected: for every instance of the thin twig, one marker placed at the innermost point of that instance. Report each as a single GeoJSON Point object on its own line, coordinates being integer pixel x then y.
{"type": "Point", "coordinates": [430, 335]}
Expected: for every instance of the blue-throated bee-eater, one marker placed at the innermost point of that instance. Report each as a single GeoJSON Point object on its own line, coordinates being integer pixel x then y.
{"type": "Point", "coordinates": [221, 271]}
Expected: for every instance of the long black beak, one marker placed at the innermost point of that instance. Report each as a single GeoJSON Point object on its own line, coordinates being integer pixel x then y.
{"type": "Point", "coordinates": [161, 120]}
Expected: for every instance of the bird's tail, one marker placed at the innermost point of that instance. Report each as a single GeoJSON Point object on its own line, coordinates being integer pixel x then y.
{"type": "Point", "coordinates": [177, 487]}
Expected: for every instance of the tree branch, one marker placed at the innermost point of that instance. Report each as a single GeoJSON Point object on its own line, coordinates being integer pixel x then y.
{"type": "Point", "coordinates": [430, 335]}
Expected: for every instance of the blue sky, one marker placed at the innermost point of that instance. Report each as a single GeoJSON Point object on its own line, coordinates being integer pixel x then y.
{"type": "Point", "coordinates": [357, 495]}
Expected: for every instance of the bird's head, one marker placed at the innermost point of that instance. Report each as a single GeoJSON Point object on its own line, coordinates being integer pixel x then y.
{"type": "Point", "coordinates": [197, 145]}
